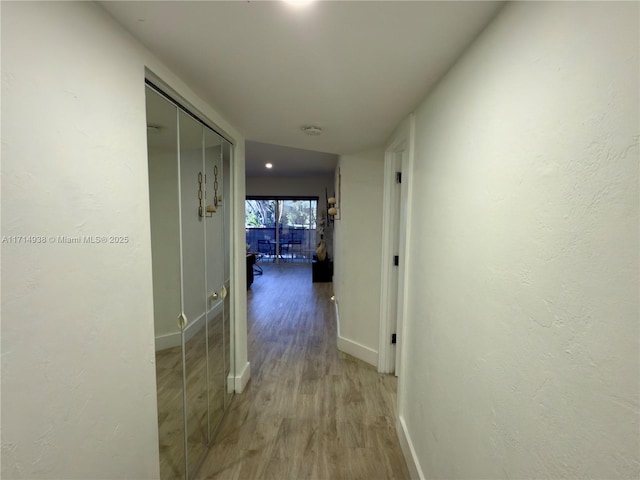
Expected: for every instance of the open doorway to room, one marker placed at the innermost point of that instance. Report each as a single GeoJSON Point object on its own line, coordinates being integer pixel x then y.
{"type": "Point", "coordinates": [282, 229]}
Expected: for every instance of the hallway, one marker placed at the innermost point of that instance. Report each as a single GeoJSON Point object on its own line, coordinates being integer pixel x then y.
{"type": "Point", "coordinates": [309, 411]}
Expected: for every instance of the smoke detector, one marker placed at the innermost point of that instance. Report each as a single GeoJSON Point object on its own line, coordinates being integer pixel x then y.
{"type": "Point", "coordinates": [312, 130]}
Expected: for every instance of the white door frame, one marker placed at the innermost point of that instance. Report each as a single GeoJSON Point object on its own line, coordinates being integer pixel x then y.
{"type": "Point", "coordinates": [389, 359]}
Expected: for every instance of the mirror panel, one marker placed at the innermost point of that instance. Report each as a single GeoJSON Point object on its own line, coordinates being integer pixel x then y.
{"type": "Point", "coordinates": [194, 289]}
{"type": "Point", "coordinates": [162, 147]}
{"type": "Point", "coordinates": [228, 333]}
{"type": "Point", "coordinates": [215, 276]}
{"type": "Point", "coordinates": [188, 171]}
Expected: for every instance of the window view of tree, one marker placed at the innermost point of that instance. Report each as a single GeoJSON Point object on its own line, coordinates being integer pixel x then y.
{"type": "Point", "coordinates": [260, 213]}
{"type": "Point", "coordinates": [298, 213]}
{"type": "Point", "coordinates": [295, 236]}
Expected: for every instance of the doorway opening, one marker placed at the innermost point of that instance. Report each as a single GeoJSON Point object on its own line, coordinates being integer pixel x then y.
{"type": "Point", "coordinates": [395, 226]}
{"type": "Point", "coordinates": [281, 229]}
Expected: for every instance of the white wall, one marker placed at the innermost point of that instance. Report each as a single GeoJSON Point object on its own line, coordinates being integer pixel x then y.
{"type": "Point", "coordinates": [521, 351]}
{"type": "Point", "coordinates": [295, 186]}
{"type": "Point", "coordinates": [78, 377]}
{"type": "Point", "coordinates": [357, 243]}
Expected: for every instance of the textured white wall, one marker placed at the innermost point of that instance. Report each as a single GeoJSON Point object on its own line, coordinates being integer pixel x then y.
{"type": "Point", "coordinates": [78, 376]}
{"type": "Point", "coordinates": [357, 243]}
{"type": "Point", "coordinates": [522, 356]}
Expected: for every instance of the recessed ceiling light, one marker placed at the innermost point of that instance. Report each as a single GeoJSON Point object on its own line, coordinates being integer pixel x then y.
{"type": "Point", "coordinates": [268, 165]}
{"type": "Point", "coordinates": [312, 130]}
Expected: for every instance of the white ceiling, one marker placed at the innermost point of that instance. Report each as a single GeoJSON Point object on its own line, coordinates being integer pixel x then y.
{"type": "Point", "coordinates": [353, 68]}
{"type": "Point", "coordinates": [287, 161]}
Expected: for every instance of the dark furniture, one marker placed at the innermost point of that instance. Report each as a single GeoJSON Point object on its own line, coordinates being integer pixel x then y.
{"type": "Point", "coordinates": [257, 269]}
{"type": "Point", "coordinates": [321, 271]}
{"type": "Point", "coordinates": [266, 248]}
{"type": "Point", "coordinates": [251, 260]}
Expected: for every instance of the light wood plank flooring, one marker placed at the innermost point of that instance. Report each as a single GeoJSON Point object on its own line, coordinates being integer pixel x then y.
{"type": "Point", "coordinates": [170, 398]}
{"type": "Point", "coordinates": [309, 411]}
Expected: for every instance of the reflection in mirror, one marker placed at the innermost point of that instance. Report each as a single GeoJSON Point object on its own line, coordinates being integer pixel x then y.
{"type": "Point", "coordinates": [215, 276]}
{"type": "Point", "coordinates": [228, 334]}
{"type": "Point", "coordinates": [189, 204]}
{"type": "Point", "coordinates": [162, 148]}
{"type": "Point", "coordinates": [194, 288]}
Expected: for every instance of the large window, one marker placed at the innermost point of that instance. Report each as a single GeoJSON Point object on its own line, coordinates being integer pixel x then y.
{"type": "Point", "coordinates": [282, 229]}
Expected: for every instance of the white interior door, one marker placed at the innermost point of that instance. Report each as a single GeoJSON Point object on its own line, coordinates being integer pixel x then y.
{"type": "Point", "coordinates": [401, 191]}
{"type": "Point", "coordinates": [394, 225]}
{"type": "Point", "coordinates": [394, 295]}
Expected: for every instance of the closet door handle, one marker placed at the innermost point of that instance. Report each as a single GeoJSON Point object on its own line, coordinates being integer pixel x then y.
{"type": "Point", "coordinates": [182, 321]}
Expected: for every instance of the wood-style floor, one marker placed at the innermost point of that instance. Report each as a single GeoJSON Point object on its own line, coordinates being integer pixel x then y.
{"type": "Point", "coordinates": [204, 406]}
{"type": "Point", "coordinates": [309, 411]}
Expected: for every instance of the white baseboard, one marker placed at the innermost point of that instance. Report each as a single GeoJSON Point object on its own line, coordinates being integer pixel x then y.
{"type": "Point", "coordinates": [408, 451]}
{"type": "Point", "coordinates": [353, 348]}
{"type": "Point", "coordinates": [242, 378]}
{"type": "Point", "coordinates": [171, 340]}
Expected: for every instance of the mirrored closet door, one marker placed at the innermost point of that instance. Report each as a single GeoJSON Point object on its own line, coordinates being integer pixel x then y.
{"type": "Point", "coordinates": [189, 175]}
